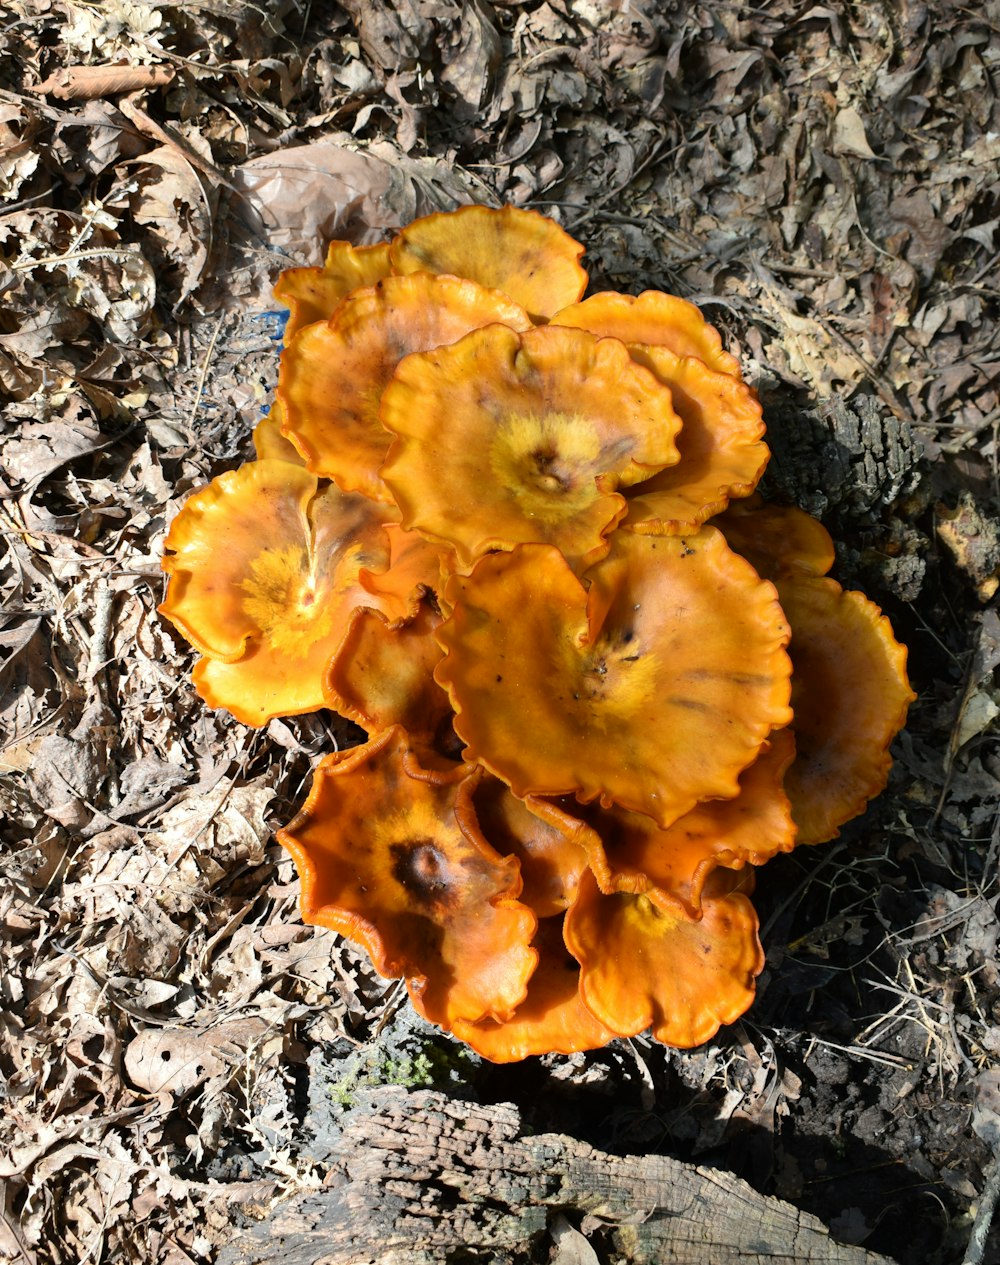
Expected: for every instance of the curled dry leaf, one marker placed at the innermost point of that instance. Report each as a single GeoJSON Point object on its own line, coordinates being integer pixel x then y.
{"type": "Point", "coordinates": [84, 83]}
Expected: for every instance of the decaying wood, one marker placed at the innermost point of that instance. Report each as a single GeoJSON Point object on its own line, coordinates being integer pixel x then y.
{"type": "Point", "coordinates": [841, 459]}
{"type": "Point", "coordinates": [420, 1177]}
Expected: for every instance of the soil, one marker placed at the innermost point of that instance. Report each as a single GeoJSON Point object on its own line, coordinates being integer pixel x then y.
{"type": "Point", "coordinates": [823, 181]}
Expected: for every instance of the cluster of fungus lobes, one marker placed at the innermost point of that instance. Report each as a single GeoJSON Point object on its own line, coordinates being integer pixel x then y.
{"type": "Point", "coordinates": [513, 534]}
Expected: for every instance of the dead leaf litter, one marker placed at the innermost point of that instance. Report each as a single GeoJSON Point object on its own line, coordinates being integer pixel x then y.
{"type": "Point", "coordinates": [823, 181]}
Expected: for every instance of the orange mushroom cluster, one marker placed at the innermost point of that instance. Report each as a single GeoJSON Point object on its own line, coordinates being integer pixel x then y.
{"type": "Point", "coordinates": [513, 534]}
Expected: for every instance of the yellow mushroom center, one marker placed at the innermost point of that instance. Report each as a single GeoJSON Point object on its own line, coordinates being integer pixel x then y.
{"type": "Point", "coordinates": [649, 918]}
{"type": "Point", "coordinates": [546, 461]}
{"type": "Point", "coordinates": [284, 598]}
{"type": "Point", "coordinates": [617, 674]}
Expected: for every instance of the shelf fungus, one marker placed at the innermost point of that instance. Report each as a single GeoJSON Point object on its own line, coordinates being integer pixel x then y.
{"type": "Point", "coordinates": [515, 535]}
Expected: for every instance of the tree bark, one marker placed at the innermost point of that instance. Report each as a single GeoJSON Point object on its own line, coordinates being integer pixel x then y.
{"type": "Point", "coordinates": [421, 1179]}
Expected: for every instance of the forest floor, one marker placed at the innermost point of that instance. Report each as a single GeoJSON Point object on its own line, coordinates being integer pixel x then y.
{"type": "Point", "coordinates": [824, 181]}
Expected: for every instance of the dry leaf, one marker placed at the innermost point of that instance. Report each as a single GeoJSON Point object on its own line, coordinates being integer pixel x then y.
{"type": "Point", "coordinates": [176, 208]}
{"type": "Point", "coordinates": [83, 83]}
{"type": "Point", "coordinates": [569, 1246]}
{"type": "Point", "coordinates": [849, 134]}
{"type": "Point", "coordinates": [299, 199]}
{"type": "Point", "coordinates": [177, 1060]}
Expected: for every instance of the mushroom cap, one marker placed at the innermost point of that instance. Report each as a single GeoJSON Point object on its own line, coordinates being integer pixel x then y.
{"type": "Point", "coordinates": [333, 373]}
{"type": "Point", "coordinates": [268, 441]}
{"type": "Point", "coordinates": [751, 828]}
{"type": "Point", "coordinates": [850, 696]}
{"type": "Point", "coordinates": [551, 845]}
{"type": "Point", "coordinates": [390, 855]}
{"type": "Point", "coordinates": [653, 318]}
{"type": "Point", "coordinates": [722, 451]}
{"type": "Point", "coordinates": [508, 438]}
{"type": "Point", "coordinates": [674, 661]}
{"type": "Point", "coordinates": [522, 253]}
{"type": "Point", "coordinates": [645, 962]}
{"type": "Point", "coordinates": [415, 568]}
{"type": "Point", "coordinates": [551, 1020]}
{"type": "Point", "coordinates": [314, 294]}
{"type": "Point", "coordinates": [782, 541]}
{"type": "Point", "coordinates": [382, 675]}
{"type": "Point", "coordinates": [264, 570]}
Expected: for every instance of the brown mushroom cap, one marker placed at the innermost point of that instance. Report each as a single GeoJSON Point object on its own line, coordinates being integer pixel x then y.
{"type": "Point", "coordinates": [751, 828]}
{"type": "Point", "coordinates": [314, 294]}
{"type": "Point", "coordinates": [653, 318]}
{"type": "Point", "coordinates": [674, 661]}
{"type": "Point", "coordinates": [390, 855]}
{"type": "Point", "coordinates": [522, 253]}
{"type": "Point", "coordinates": [850, 696]}
{"type": "Point", "coordinates": [264, 572]}
{"type": "Point", "coordinates": [551, 1020]}
{"type": "Point", "coordinates": [507, 438]}
{"type": "Point", "coordinates": [646, 963]}
{"type": "Point", "coordinates": [333, 373]}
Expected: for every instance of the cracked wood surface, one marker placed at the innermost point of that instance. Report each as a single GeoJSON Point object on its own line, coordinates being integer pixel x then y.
{"type": "Point", "coordinates": [421, 1179]}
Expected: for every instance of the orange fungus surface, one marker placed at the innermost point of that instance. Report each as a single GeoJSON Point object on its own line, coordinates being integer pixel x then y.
{"type": "Point", "coordinates": [390, 855]}
{"type": "Point", "coordinates": [314, 294]}
{"type": "Point", "coordinates": [515, 535]}
{"type": "Point", "coordinates": [646, 963]}
{"type": "Point", "coordinates": [674, 659]}
{"type": "Point", "coordinates": [519, 252]}
{"type": "Point", "coordinates": [265, 568]}
{"type": "Point", "coordinates": [508, 438]}
{"type": "Point", "coordinates": [333, 373]}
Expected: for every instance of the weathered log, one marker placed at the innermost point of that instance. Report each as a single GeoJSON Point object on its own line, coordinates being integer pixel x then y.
{"type": "Point", "coordinates": [840, 461]}
{"type": "Point", "coordinates": [420, 1179]}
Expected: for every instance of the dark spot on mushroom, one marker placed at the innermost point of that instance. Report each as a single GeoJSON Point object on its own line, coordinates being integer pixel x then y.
{"type": "Point", "coordinates": [549, 474]}
{"type": "Point", "coordinates": [418, 866]}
